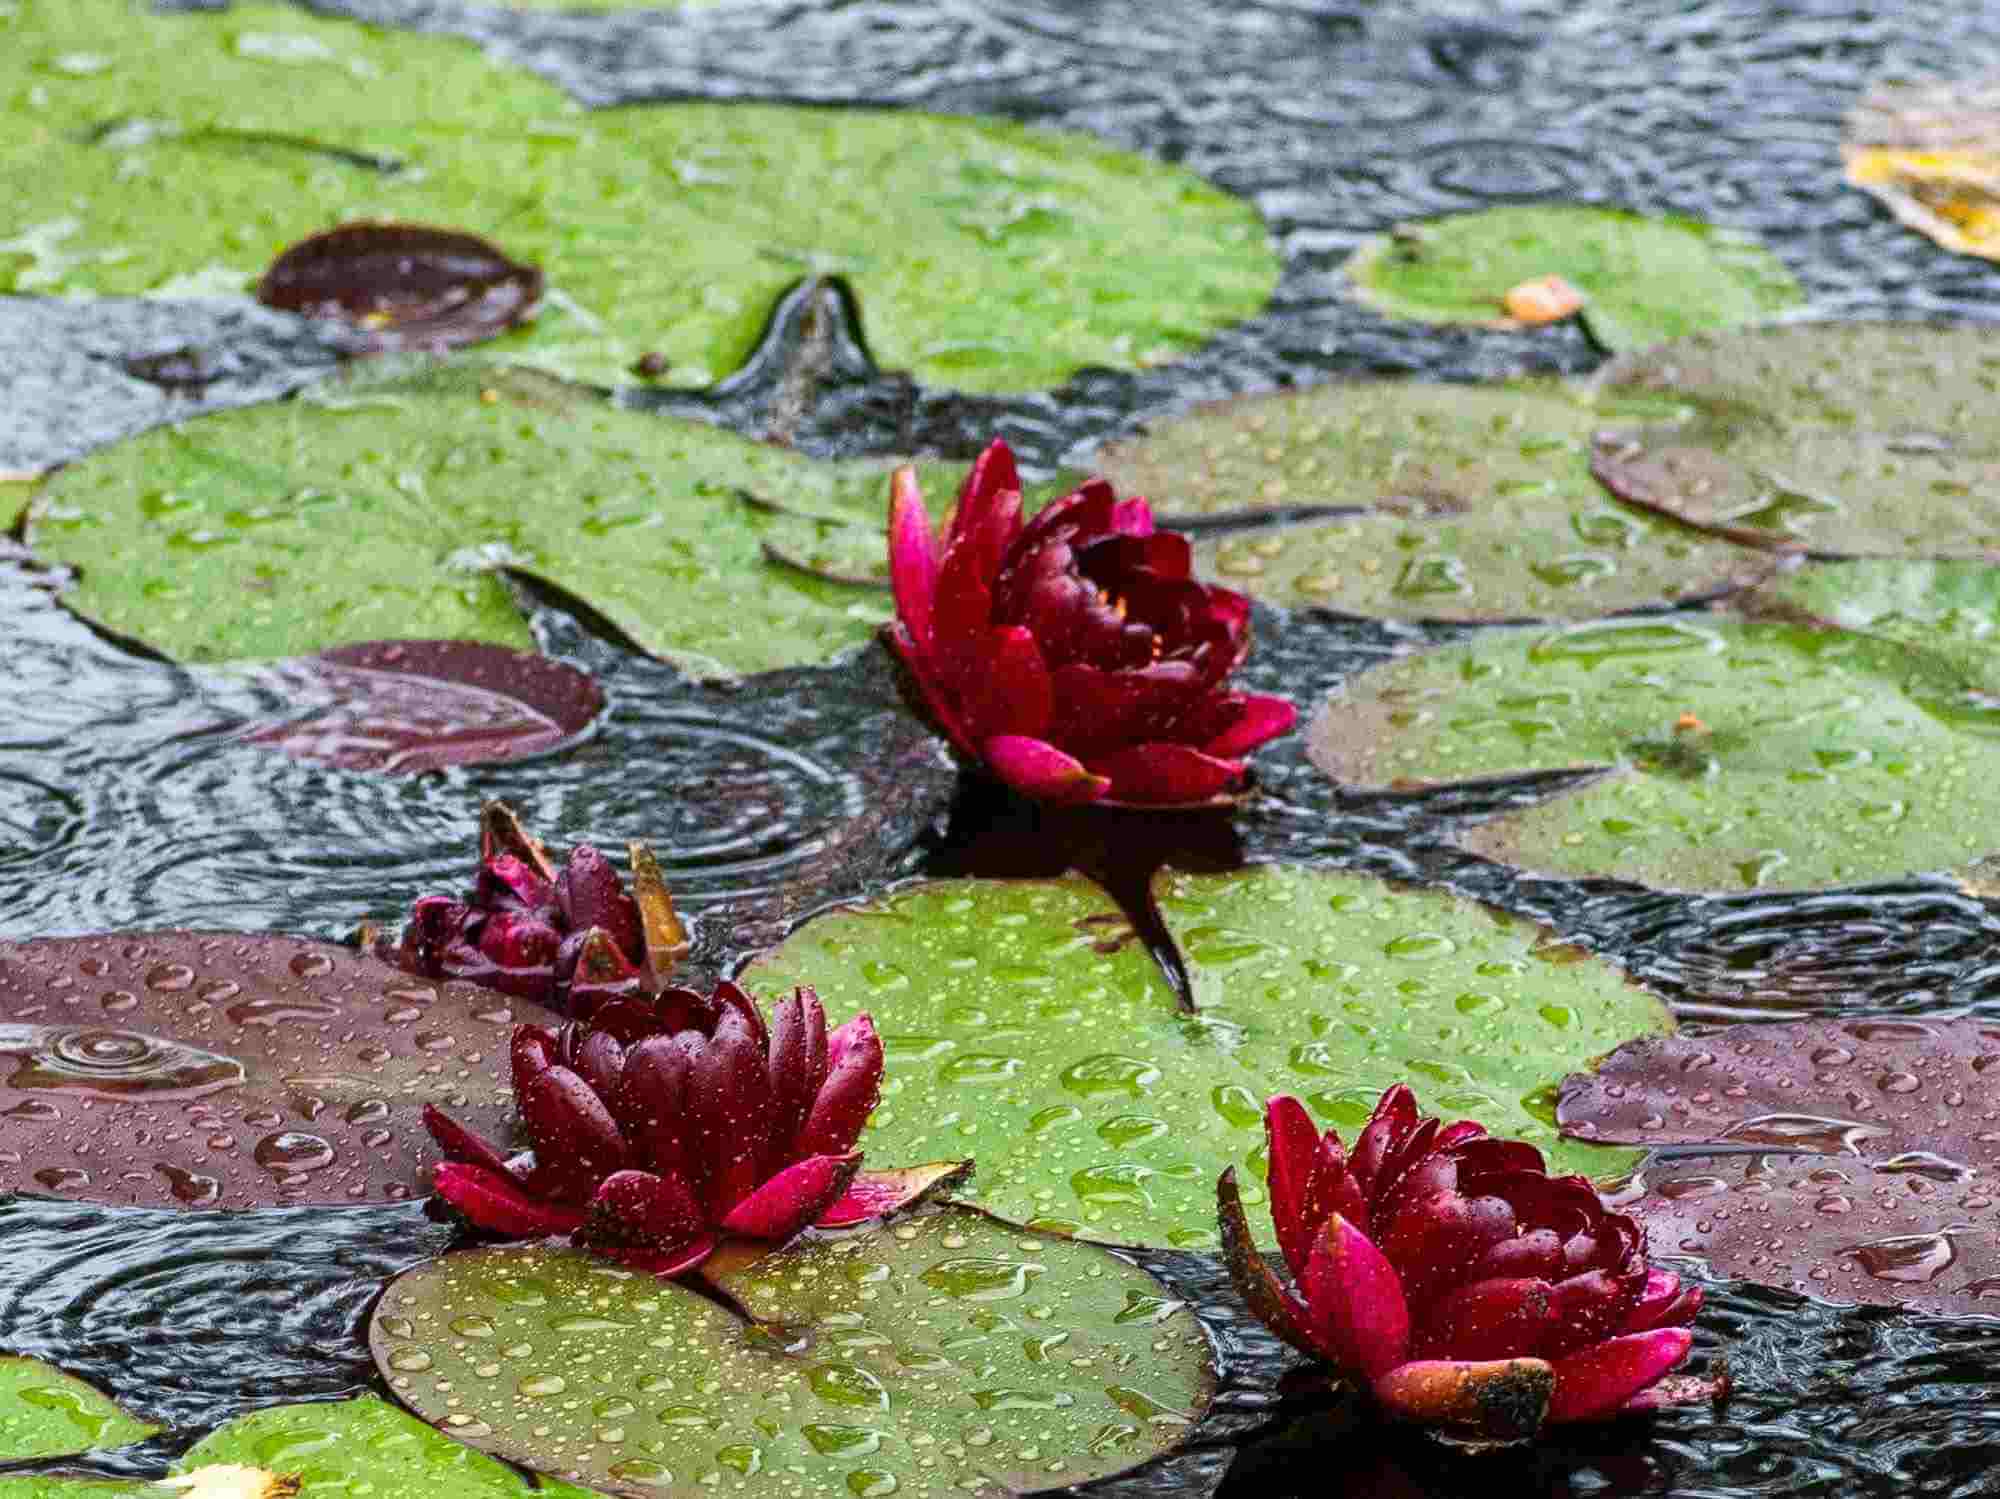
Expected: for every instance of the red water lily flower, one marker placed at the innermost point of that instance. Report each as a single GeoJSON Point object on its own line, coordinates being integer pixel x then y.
{"type": "Point", "coordinates": [1073, 655]}
{"type": "Point", "coordinates": [564, 938]}
{"type": "Point", "coordinates": [1451, 1275]}
{"type": "Point", "coordinates": [660, 1125]}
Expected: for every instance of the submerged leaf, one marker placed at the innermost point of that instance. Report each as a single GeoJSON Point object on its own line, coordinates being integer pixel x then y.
{"type": "Point", "coordinates": [1480, 504]}
{"type": "Point", "coordinates": [1879, 1180]}
{"type": "Point", "coordinates": [1027, 1027]}
{"type": "Point", "coordinates": [182, 1069]}
{"type": "Point", "coordinates": [950, 1352]}
{"type": "Point", "coordinates": [1645, 279]}
{"type": "Point", "coordinates": [414, 705]}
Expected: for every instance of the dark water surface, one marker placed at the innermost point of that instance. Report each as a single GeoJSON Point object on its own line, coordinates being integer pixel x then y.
{"type": "Point", "coordinates": [126, 802]}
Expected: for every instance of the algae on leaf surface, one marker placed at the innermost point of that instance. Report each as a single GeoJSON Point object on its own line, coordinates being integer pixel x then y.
{"type": "Point", "coordinates": [384, 508]}
{"type": "Point", "coordinates": [1028, 1027]}
{"type": "Point", "coordinates": [990, 255]}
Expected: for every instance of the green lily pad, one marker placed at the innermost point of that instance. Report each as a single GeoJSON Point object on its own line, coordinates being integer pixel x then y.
{"type": "Point", "coordinates": [348, 1447]}
{"type": "Point", "coordinates": [385, 509]}
{"type": "Point", "coordinates": [1645, 280]}
{"type": "Point", "coordinates": [948, 1354]}
{"type": "Point", "coordinates": [1951, 609]}
{"type": "Point", "coordinates": [47, 1413]}
{"type": "Point", "coordinates": [990, 255]}
{"type": "Point", "coordinates": [1849, 439]}
{"type": "Point", "coordinates": [1479, 503]}
{"type": "Point", "coordinates": [1027, 1027]}
{"type": "Point", "coordinates": [1737, 753]}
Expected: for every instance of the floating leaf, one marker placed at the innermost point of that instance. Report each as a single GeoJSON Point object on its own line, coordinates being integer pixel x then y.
{"type": "Point", "coordinates": [1026, 1026]}
{"type": "Point", "coordinates": [335, 1450]}
{"type": "Point", "coordinates": [1890, 1200]}
{"type": "Point", "coordinates": [1857, 438]}
{"type": "Point", "coordinates": [1931, 153]}
{"type": "Point", "coordinates": [1481, 504]}
{"type": "Point", "coordinates": [181, 1069]}
{"type": "Point", "coordinates": [385, 508]}
{"type": "Point", "coordinates": [411, 705]}
{"type": "Point", "coordinates": [1739, 754]}
{"type": "Point", "coordinates": [1950, 609]}
{"type": "Point", "coordinates": [1645, 279]}
{"type": "Point", "coordinates": [950, 1353]}
{"type": "Point", "coordinates": [403, 286]}
{"type": "Point", "coordinates": [991, 255]}
{"type": "Point", "coordinates": [46, 1413]}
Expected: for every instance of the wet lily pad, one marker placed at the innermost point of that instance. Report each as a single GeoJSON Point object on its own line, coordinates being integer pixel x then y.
{"type": "Point", "coordinates": [1644, 280]}
{"type": "Point", "coordinates": [1951, 609]}
{"type": "Point", "coordinates": [413, 705]}
{"type": "Point", "coordinates": [1930, 152]}
{"type": "Point", "coordinates": [334, 1450]}
{"type": "Point", "coordinates": [948, 1354]}
{"type": "Point", "coordinates": [403, 286]}
{"type": "Point", "coordinates": [1026, 1026]}
{"type": "Point", "coordinates": [1891, 1201]}
{"type": "Point", "coordinates": [1841, 440]}
{"type": "Point", "coordinates": [991, 255]}
{"type": "Point", "coordinates": [1737, 753]}
{"type": "Point", "coordinates": [180, 1069]}
{"type": "Point", "coordinates": [379, 508]}
{"type": "Point", "coordinates": [1479, 503]}
{"type": "Point", "coordinates": [47, 1413]}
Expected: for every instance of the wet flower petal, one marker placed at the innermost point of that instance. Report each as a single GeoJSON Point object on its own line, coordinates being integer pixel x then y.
{"type": "Point", "coordinates": [1597, 1381]}
{"type": "Point", "coordinates": [794, 1198]}
{"type": "Point", "coordinates": [499, 1204]}
{"type": "Point", "coordinates": [1038, 769]}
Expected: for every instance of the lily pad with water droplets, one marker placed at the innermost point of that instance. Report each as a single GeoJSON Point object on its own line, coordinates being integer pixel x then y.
{"type": "Point", "coordinates": [47, 1413]}
{"type": "Point", "coordinates": [1852, 439]}
{"type": "Point", "coordinates": [335, 1450]}
{"type": "Point", "coordinates": [1644, 280]}
{"type": "Point", "coordinates": [991, 255]}
{"type": "Point", "coordinates": [1026, 1026]}
{"type": "Point", "coordinates": [1736, 753]}
{"type": "Point", "coordinates": [183, 1069]}
{"type": "Point", "coordinates": [950, 1354]}
{"type": "Point", "coordinates": [1891, 1200]}
{"type": "Point", "coordinates": [382, 508]}
{"type": "Point", "coordinates": [1949, 609]}
{"type": "Point", "coordinates": [1478, 504]}
{"type": "Point", "coordinates": [414, 705]}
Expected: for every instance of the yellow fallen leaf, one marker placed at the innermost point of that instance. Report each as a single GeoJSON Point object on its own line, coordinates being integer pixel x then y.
{"type": "Point", "coordinates": [1547, 299]}
{"type": "Point", "coordinates": [232, 1481]}
{"type": "Point", "coordinates": [1930, 152]}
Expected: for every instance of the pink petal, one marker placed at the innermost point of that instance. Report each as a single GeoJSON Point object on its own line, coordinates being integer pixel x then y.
{"type": "Point", "coordinates": [1679, 1389]}
{"type": "Point", "coordinates": [460, 1144]}
{"type": "Point", "coordinates": [852, 1088]}
{"type": "Point", "coordinates": [1014, 694]}
{"type": "Point", "coordinates": [1502, 1400]}
{"type": "Point", "coordinates": [1252, 1275]}
{"type": "Point", "coordinates": [576, 1140]}
{"type": "Point", "coordinates": [1039, 770]}
{"type": "Point", "coordinates": [1165, 775]}
{"type": "Point", "coordinates": [878, 1194]}
{"type": "Point", "coordinates": [1596, 1381]}
{"type": "Point", "coordinates": [652, 1102]}
{"type": "Point", "coordinates": [531, 1051]}
{"type": "Point", "coordinates": [1132, 517]}
{"type": "Point", "coordinates": [1354, 1301]}
{"type": "Point", "coordinates": [1259, 719]}
{"type": "Point", "coordinates": [1487, 1319]}
{"type": "Point", "coordinates": [988, 517]}
{"type": "Point", "coordinates": [497, 1203]}
{"type": "Point", "coordinates": [677, 1261]}
{"type": "Point", "coordinates": [1663, 1303]}
{"type": "Point", "coordinates": [792, 1083]}
{"type": "Point", "coordinates": [644, 1209]}
{"type": "Point", "coordinates": [1292, 1142]}
{"type": "Point", "coordinates": [793, 1198]}
{"type": "Point", "coordinates": [729, 1093]}
{"type": "Point", "coordinates": [1589, 1308]}
{"type": "Point", "coordinates": [913, 557]}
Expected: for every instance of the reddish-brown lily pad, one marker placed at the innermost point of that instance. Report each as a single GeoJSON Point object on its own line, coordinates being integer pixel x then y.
{"type": "Point", "coordinates": [198, 1070]}
{"type": "Point", "coordinates": [1886, 1141]}
{"type": "Point", "coordinates": [404, 286]}
{"type": "Point", "coordinates": [1843, 440]}
{"type": "Point", "coordinates": [411, 705]}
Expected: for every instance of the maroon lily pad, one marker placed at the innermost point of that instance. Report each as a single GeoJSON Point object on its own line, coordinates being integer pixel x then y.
{"type": "Point", "coordinates": [191, 1069]}
{"type": "Point", "coordinates": [411, 705]}
{"type": "Point", "coordinates": [1880, 1184]}
{"type": "Point", "coordinates": [404, 286]}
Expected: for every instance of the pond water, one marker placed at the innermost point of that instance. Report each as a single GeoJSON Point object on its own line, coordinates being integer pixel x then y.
{"type": "Point", "coordinates": [127, 802]}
